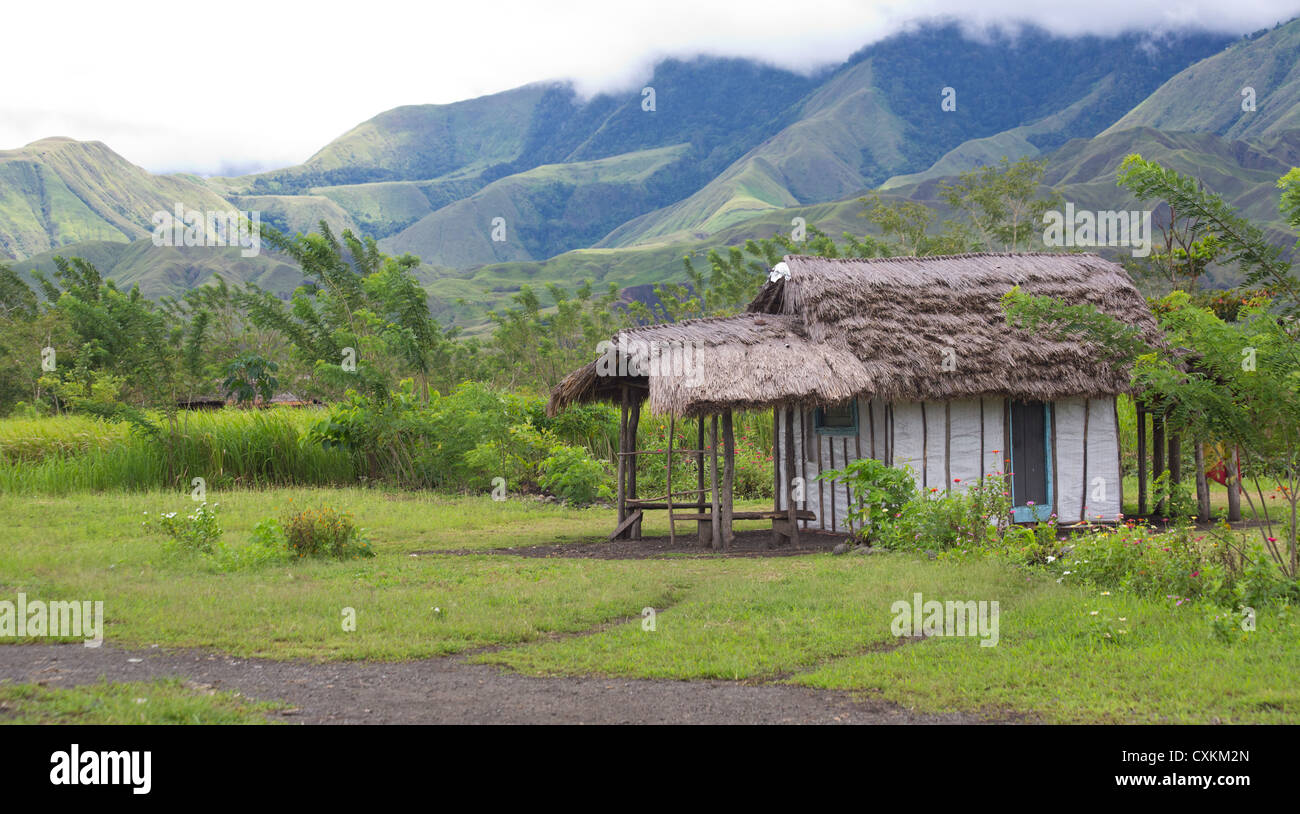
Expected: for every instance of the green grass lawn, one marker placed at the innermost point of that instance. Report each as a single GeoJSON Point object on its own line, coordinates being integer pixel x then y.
{"type": "Point", "coordinates": [158, 702]}
{"type": "Point", "coordinates": [817, 620]}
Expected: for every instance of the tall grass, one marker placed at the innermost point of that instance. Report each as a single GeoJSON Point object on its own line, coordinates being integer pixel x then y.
{"type": "Point", "coordinates": [249, 448]}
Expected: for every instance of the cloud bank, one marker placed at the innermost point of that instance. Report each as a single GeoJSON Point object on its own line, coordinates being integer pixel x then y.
{"type": "Point", "coordinates": [238, 86]}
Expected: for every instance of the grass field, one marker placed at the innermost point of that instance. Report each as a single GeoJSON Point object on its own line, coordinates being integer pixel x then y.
{"type": "Point", "coordinates": [156, 702]}
{"type": "Point", "coordinates": [814, 620]}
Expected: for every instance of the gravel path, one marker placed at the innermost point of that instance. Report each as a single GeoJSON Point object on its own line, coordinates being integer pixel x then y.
{"type": "Point", "coordinates": [448, 691]}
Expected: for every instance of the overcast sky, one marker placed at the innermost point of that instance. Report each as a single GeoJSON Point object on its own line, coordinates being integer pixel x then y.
{"type": "Point", "coordinates": [236, 86]}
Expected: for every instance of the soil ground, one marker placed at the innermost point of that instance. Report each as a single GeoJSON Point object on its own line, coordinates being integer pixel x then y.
{"type": "Point", "coordinates": [449, 691]}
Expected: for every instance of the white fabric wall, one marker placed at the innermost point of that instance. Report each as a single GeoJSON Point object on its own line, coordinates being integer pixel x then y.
{"type": "Point", "coordinates": [907, 437]}
{"type": "Point", "coordinates": [995, 436]}
{"type": "Point", "coordinates": [1104, 497]}
{"type": "Point", "coordinates": [1067, 465]}
{"type": "Point", "coordinates": [964, 444]}
{"type": "Point", "coordinates": [969, 454]}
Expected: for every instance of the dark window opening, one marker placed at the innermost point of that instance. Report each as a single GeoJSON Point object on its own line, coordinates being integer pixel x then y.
{"type": "Point", "coordinates": [837, 419]}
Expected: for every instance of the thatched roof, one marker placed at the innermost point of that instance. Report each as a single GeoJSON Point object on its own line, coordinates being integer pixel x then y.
{"type": "Point", "coordinates": [882, 328]}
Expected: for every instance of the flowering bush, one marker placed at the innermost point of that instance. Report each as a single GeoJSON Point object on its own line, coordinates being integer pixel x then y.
{"type": "Point", "coordinates": [1179, 565]}
{"type": "Point", "coordinates": [974, 517]}
{"type": "Point", "coordinates": [198, 532]}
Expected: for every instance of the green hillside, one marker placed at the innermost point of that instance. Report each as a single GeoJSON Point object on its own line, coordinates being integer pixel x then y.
{"type": "Point", "coordinates": [169, 271]}
{"type": "Point", "coordinates": [410, 143]}
{"type": "Point", "coordinates": [546, 210]}
{"type": "Point", "coordinates": [58, 191]}
{"type": "Point", "coordinates": [880, 116]}
{"type": "Point", "coordinates": [1207, 97]}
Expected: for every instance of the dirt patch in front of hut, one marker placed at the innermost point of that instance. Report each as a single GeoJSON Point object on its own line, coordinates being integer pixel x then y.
{"type": "Point", "coordinates": [746, 544]}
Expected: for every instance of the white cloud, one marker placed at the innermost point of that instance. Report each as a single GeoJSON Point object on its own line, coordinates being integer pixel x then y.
{"type": "Point", "coordinates": [240, 85]}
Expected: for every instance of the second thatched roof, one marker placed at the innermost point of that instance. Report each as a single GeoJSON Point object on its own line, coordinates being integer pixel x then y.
{"type": "Point", "coordinates": [927, 328]}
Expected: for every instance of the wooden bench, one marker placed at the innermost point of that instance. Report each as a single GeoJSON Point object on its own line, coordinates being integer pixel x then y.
{"type": "Point", "coordinates": [781, 529]}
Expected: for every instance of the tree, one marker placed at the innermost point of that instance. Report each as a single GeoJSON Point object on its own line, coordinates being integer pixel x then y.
{"type": "Point", "coordinates": [359, 321]}
{"type": "Point", "coordinates": [1235, 381]}
{"type": "Point", "coordinates": [250, 377]}
{"type": "Point", "coordinates": [1002, 203]}
{"type": "Point", "coordinates": [1206, 217]}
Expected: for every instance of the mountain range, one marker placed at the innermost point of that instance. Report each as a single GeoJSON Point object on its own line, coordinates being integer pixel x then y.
{"type": "Point", "coordinates": [540, 184]}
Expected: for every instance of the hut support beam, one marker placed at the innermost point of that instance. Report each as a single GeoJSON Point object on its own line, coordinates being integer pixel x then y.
{"type": "Point", "coordinates": [1158, 455]}
{"type": "Point", "coordinates": [789, 476]}
{"type": "Point", "coordinates": [714, 520]}
{"type": "Point", "coordinates": [668, 476]}
{"type": "Point", "coordinates": [633, 423]}
{"type": "Point", "coordinates": [728, 477]}
{"type": "Point", "coordinates": [1142, 459]}
{"type": "Point", "coordinates": [621, 495]}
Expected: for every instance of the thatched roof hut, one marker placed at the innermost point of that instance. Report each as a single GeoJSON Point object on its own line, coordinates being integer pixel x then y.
{"type": "Point", "coordinates": [838, 327]}
{"type": "Point", "coordinates": [908, 360]}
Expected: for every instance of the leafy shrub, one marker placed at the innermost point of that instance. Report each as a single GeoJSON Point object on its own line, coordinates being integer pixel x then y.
{"type": "Point", "coordinates": [1178, 565]}
{"type": "Point", "coordinates": [320, 532]}
{"type": "Point", "coordinates": [575, 477]}
{"type": "Point", "coordinates": [880, 493]}
{"type": "Point", "coordinates": [976, 517]}
{"type": "Point", "coordinates": [516, 457]}
{"type": "Point", "coordinates": [199, 532]}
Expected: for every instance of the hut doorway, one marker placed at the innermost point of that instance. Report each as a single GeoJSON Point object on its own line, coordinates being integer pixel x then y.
{"type": "Point", "coordinates": [1031, 460]}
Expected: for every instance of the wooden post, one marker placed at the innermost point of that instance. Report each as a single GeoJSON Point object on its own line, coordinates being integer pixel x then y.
{"type": "Point", "coordinates": [1202, 483]}
{"type": "Point", "coordinates": [714, 521]}
{"type": "Point", "coordinates": [789, 475]}
{"type": "Point", "coordinates": [728, 477]}
{"type": "Point", "coordinates": [633, 423]}
{"type": "Point", "coordinates": [668, 475]}
{"type": "Point", "coordinates": [805, 437]}
{"type": "Point", "coordinates": [1158, 454]}
{"type": "Point", "coordinates": [1142, 458]}
{"type": "Point", "coordinates": [1234, 486]}
{"type": "Point", "coordinates": [622, 461]}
